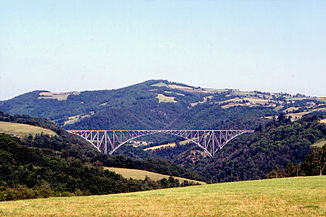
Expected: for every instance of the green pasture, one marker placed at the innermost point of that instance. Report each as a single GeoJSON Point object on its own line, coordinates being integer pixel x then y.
{"type": "Point", "coordinates": [168, 145]}
{"type": "Point", "coordinates": [141, 174]}
{"type": "Point", "coordinates": [163, 98]}
{"type": "Point", "coordinates": [300, 196]}
{"type": "Point", "coordinates": [171, 92]}
{"type": "Point", "coordinates": [22, 130]}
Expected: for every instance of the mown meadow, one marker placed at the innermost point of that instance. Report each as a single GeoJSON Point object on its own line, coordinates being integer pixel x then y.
{"type": "Point", "coordinates": [21, 130]}
{"type": "Point", "coordinates": [142, 174]}
{"type": "Point", "coordinates": [299, 196]}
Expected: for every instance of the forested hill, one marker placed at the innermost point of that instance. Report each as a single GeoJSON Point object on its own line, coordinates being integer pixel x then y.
{"type": "Point", "coordinates": [44, 165]}
{"type": "Point", "coordinates": [67, 144]}
{"type": "Point", "coordinates": [280, 144]}
{"type": "Point", "coordinates": [159, 104]}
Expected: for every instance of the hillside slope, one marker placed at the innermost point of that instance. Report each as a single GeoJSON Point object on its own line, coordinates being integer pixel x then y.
{"type": "Point", "coordinates": [69, 145]}
{"type": "Point", "coordinates": [64, 164]}
{"type": "Point", "coordinates": [252, 156]}
{"type": "Point", "coordinates": [160, 104]}
{"type": "Point", "coordinates": [27, 172]}
{"type": "Point", "coordinates": [300, 196]}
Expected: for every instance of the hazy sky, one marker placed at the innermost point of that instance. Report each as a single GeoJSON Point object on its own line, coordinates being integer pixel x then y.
{"type": "Point", "coordinates": [65, 45]}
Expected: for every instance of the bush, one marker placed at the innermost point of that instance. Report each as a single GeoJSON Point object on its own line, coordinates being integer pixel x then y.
{"type": "Point", "coordinates": [19, 192]}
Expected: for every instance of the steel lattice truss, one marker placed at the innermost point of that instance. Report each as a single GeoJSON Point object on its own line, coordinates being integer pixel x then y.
{"type": "Point", "coordinates": [108, 141]}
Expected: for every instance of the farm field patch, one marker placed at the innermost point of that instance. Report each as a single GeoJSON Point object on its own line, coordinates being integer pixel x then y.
{"type": "Point", "coordinates": [21, 130]}
{"type": "Point", "coordinates": [141, 174]}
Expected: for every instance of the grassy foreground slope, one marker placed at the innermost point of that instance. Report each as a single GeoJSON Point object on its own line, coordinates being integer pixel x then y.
{"type": "Point", "coordinates": [141, 174]}
{"type": "Point", "coordinates": [300, 196]}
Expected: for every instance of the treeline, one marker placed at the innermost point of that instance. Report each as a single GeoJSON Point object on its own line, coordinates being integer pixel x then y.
{"type": "Point", "coordinates": [314, 164]}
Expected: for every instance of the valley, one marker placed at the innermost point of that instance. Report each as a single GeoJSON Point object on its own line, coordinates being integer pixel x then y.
{"type": "Point", "coordinates": [286, 139]}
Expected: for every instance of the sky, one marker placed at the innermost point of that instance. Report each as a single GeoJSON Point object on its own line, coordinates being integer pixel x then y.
{"type": "Point", "coordinates": [67, 45]}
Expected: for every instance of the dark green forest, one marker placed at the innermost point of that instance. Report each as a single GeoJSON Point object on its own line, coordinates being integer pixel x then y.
{"type": "Point", "coordinates": [44, 166]}
{"type": "Point", "coordinates": [314, 164]}
{"type": "Point", "coordinates": [252, 156]}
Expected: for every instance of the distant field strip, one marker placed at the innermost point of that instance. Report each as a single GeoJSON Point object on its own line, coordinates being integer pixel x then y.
{"type": "Point", "coordinates": [170, 92]}
{"type": "Point", "coordinates": [172, 144]}
{"type": "Point", "coordinates": [160, 146]}
{"type": "Point", "coordinates": [76, 118]}
{"type": "Point", "coordinates": [160, 84]}
{"type": "Point", "coordinates": [57, 96]}
{"type": "Point", "coordinates": [296, 116]}
{"type": "Point", "coordinates": [201, 102]}
{"type": "Point", "coordinates": [22, 130]}
{"type": "Point", "coordinates": [141, 174]}
{"type": "Point", "coordinates": [302, 196]}
{"type": "Point", "coordinates": [320, 143]}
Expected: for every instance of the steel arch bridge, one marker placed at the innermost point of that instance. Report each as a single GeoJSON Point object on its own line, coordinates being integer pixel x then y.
{"type": "Point", "coordinates": [108, 141]}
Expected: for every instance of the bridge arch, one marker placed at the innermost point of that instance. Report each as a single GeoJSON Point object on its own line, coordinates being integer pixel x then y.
{"type": "Point", "coordinates": [108, 141]}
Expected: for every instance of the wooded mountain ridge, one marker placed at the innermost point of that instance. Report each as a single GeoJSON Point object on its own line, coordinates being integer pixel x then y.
{"type": "Point", "coordinates": [285, 126]}
{"type": "Point", "coordinates": [160, 104]}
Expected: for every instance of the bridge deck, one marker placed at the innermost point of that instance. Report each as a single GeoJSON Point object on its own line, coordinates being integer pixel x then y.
{"type": "Point", "coordinates": [108, 141]}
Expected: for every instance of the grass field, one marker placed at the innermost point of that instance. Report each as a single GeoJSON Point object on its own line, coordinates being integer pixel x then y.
{"type": "Point", "coordinates": [22, 130]}
{"type": "Point", "coordinates": [77, 118]}
{"type": "Point", "coordinates": [141, 174]}
{"type": "Point", "coordinates": [233, 105]}
{"type": "Point", "coordinates": [170, 92]}
{"type": "Point", "coordinates": [172, 144]}
{"type": "Point", "coordinates": [212, 90]}
{"type": "Point", "coordinates": [320, 143]}
{"type": "Point", "coordinates": [242, 93]}
{"type": "Point", "coordinates": [160, 84]}
{"type": "Point", "coordinates": [302, 196]}
{"type": "Point", "coordinates": [201, 102]}
{"type": "Point", "coordinates": [57, 96]}
{"type": "Point", "coordinates": [163, 98]}
{"type": "Point", "coordinates": [168, 145]}
{"type": "Point", "coordinates": [296, 116]}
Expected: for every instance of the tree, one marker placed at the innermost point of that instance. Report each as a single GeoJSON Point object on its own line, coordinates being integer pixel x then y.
{"type": "Point", "coordinates": [320, 159]}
